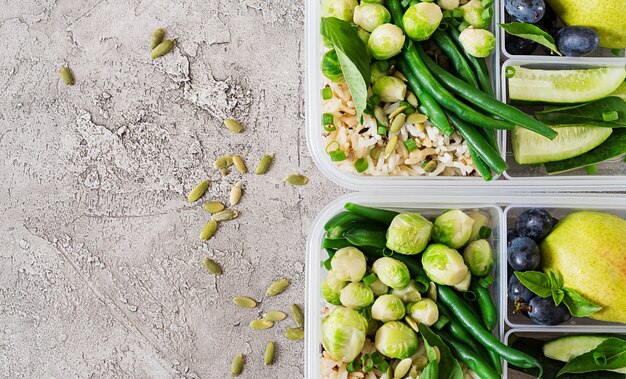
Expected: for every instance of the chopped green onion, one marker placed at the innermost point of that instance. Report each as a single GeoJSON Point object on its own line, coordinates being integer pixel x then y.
{"type": "Point", "coordinates": [441, 322]}
{"type": "Point", "coordinates": [457, 12]}
{"type": "Point", "coordinates": [464, 25]}
{"type": "Point", "coordinates": [367, 313]}
{"type": "Point", "coordinates": [327, 93]}
{"type": "Point", "coordinates": [447, 14]}
{"type": "Point", "coordinates": [387, 252]}
{"type": "Point", "coordinates": [617, 52]}
{"type": "Point", "coordinates": [360, 165]}
{"type": "Point", "coordinates": [369, 279]}
{"type": "Point", "coordinates": [487, 3]}
{"type": "Point", "coordinates": [383, 366]}
{"type": "Point", "coordinates": [374, 100]}
{"type": "Point", "coordinates": [330, 128]}
{"type": "Point", "coordinates": [376, 357]}
{"type": "Point", "coordinates": [335, 233]}
{"type": "Point", "coordinates": [382, 130]}
{"type": "Point", "coordinates": [328, 119]}
{"type": "Point", "coordinates": [332, 143]}
{"type": "Point", "coordinates": [327, 264]}
{"type": "Point", "coordinates": [410, 145]}
{"type": "Point", "coordinates": [469, 295]}
{"type": "Point", "coordinates": [487, 14]}
{"type": "Point", "coordinates": [591, 169]}
{"type": "Point", "coordinates": [337, 155]}
{"type": "Point", "coordinates": [409, 108]}
{"type": "Point", "coordinates": [443, 26]}
{"type": "Point", "coordinates": [367, 363]}
{"type": "Point", "coordinates": [509, 72]}
{"type": "Point", "coordinates": [486, 281]}
{"type": "Point", "coordinates": [484, 232]}
{"type": "Point", "coordinates": [375, 153]}
{"type": "Point", "coordinates": [353, 366]}
{"type": "Point", "coordinates": [610, 116]}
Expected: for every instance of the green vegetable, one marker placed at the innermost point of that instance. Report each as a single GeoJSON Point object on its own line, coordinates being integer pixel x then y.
{"type": "Point", "coordinates": [463, 285]}
{"type": "Point", "coordinates": [478, 64]}
{"type": "Point", "coordinates": [478, 257]}
{"type": "Point", "coordinates": [473, 14]}
{"type": "Point", "coordinates": [461, 66]}
{"type": "Point", "coordinates": [443, 265]}
{"type": "Point", "coordinates": [408, 294]}
{"type": "Point", "coordinates": [362, 235]}
{"type": "Point", "coordinates": [480, 221]}
{"type": "Point", "coordinates": [409, 233]}
{"type": "Point", "coordinates": [587, 114]}
{"type": "Point", "coordinates": [472, 359]}
{"type": "Point", "coordinates": [565, 348]}
{"type": "Point", "coordinates": [477, 42]}
{"type": "Point", "coordinates": [386, 41]}
{"type": "Point", "coordinates": [370, 16]}
{"type": "Point", "coordinates": [453, 228]}
{"type": "Point", "coordinates": [388, 308]}
{"type": "Point", "coordinates": [343, 334]}
{"type": "Point", "coordinates": [481, 166]}
{"type": "Point", "coordinates": [415, 269]}
{"type": "Point", "coordinates": [423, 311]}
{"type": "Point", "coordinates": [379, 69]}
{"type": "Point", "coordinates": [449, 367]}
{"type": "Point", "coordinates": [356, 296]}
{"type": "Point", "coordinates": [610, 355]}
{"type": "Point", "coordinates": [381, 215]}
{"type": "Point", "coordinates": [392, 272]}
{"type": "Point", "coordinates": [421, 20]}
{"type": "Point", "coordinates": [340, 9]}
{"type": "Point", "coordinates": [531, 32]}
{"type": "Point", "coordinates": [343, 219]}
{"type": "Point", "coordinates": [331, 67]}
{"type": "Point", "coordinates": [349, 264]}
{"type": "Point", "coordinates": [327, 93]}
{"type": "Point", "coordinates": [488, 311]}
{"type": "Point", "coordinates": [379, 288]}
{"type": "Point", "coordinates": [331, 288]}
{"type": "Point", "coordinates": [390, 89]}
{"type": "Point", "coordinates": [396, 340]}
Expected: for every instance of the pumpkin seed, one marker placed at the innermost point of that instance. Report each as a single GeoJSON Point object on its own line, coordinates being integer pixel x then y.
{"type": "Point", "coordinates": [198, 191]}
{"type": "Point", "coordinates": [294, 334]}
{"type": "Point", "coordinates": [409, 320]}
{"type": "Point", "coordinates": [212, 266]}
{"type": "Point", "coordinates": [397, 111]}
{"type": "Point", "coordinates": [416, 118]}
{"type": "Point", "coordinates": [240, 164]}
{"type": "Point", "coordinates": [232, 125]}
{"type": "Point", "coordinates": [275, 315]}
{"type": "Point", "coordinates": [381, 116]}
{"type": "Point", "coordinates": [391, 146]}
{"type": "Point", "coordinates": [277, 287]}
{"type": "Point", "coordinates": [157, 37]}
{"type": "Point", "coordinates": [402, 368]}
{"type": "Point", "coordinates": [66, 75]}
{"type": "Point", "coordinates": [224, 172]}
{"type": "Point", "coordinates": [213, 207]}
{"type": "Point", "coordinates": [264, 164]}
{"type": "Point", "coordinates": [261, 324]}
{"type": "Point", "coordinates": [235, 194]}
{"type": "Point", "coordinates": [397, 123]}
{"type": "Point", "coordinates": [411, 99]}
{"type": "Point", "coordinates": [268, 357]}
{"type": "Point", "coordinates": [413, 374]}
{"type": "Point", "coordinates": [208, 231]}
{"type": "Point", "coordinates": [430, 166]}
{"type": "Point", "coordinates": [237, 365]}
{"type": "Point", "coordinates": [162, 49]}
{"type": "Point", "coordinates": [297, 315]}
{"type": "Point", "coordinates": [400, 76]}
{"type": "Point", "coordinates": [225, 215]}
{"type": "Point", "coordinates": [296, 180]}
{"type": "Point", "coordinates": [421, 362]}
{"type": "Point", "coordinates": [244, 301]}
{"type": "Point", "coordinates": [223, 162]}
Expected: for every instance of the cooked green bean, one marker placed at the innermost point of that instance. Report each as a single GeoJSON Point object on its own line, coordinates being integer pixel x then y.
{"type": "Point", "coordinates": [460, 64]}
{"type": "Point", "coordinates": [478, 64]}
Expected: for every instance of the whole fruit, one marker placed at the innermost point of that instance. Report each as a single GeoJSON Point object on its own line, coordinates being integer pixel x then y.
{"type": "Point", "coordinates": [519, 46]}
{"type": "Point", "coordinates": [517, 290]}
{"type": "Point", "coordinates": [523, 254]}
{"type": "Point", "coordinates": [545, 312]}
{"type": "Point", "coordinates": [535, 223]}
{"type": "Point", "coordinates": [576, 41]}
{"type": "Point", "coordinates": [526, 10]}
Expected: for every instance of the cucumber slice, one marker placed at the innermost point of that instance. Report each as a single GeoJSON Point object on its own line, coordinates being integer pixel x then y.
{"type": "Point", "coordinates": [530, 148]}
{"type": "Point", "coordinates": [564, 86]}
{"type": "Point", "coordinates": [565, 348]}
{"type": "Point", "coordinates": [620, 91]}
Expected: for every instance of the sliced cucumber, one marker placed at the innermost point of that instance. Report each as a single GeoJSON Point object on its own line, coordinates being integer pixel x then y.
{"type": "Point", "coordinates": [564, 86]}
{"type": "Point", "coordinates": [565, 348]}
{"type": "Point", "coordinates": [620, 91]}
{"type": "Point", "coordinates": [530, 148]}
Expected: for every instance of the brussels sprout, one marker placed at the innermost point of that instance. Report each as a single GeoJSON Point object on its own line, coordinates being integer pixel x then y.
{"type": "Point", "coordinates": [443, 265]}
{"type": "Point", "coordinates": [465, 283]}
{"type": "Point", "coordinates": [421, 20]}
{"type": "Point", "coordinates": [386, 41]}
{"type": "Point", "coordinates": [408, 294]}
{"type": "Point", "coordinates": [424, 311]}
{"type": "Point", "coordinates": [473, 14]}
{"type": "Point", "coordinates": [363, 35]}
{"type": "Point", "coordinates": [409, 233]}
{"type": "Point", "coordinates": [379, 288]}
{"type": "Point", "coordinates": [341, 9]}
{"type": "Point", "coordinates": [356, 296]}
{"type": "Point", "coordinates": [453, 228]}
{"type": "Point", "coordinates": [382, 2]}
{"type": "Point", "coordinates": [478, 257]}
{"type": "Point", "coordinates": [448, 4]}
{"type": "Point", "coordinates": [388, 308]}
{"type": "Point", "coordinates": [370, 16]}
{"type": "Point", "coordinates": [390, 89]}
{"type": "Point", "coordinates": [392, 272]}
{"type": "Point", "coordinates": [349, 264]}
{"type": "Point", "coordinates": [378, 70]}
{"type": "Point", "coordinates": [331, 68]}
{"type": "Point", "coordinates": [396, 340]}
{"type": "Point", "coordinates": [331, 288]}
{"type": "Point", "coordinates": [480, 220]}
{"type": "Point", "coordinates": [343, 334]}
{"type": "Point", "coordinates": [477, 42]}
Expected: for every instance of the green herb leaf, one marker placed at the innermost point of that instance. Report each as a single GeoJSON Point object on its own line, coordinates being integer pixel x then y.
{"type": "Point", "coordinates": [356, 83]}
{"type": "Point", "coordinates": [535, 281]}
{"type": "Point", "coordinates": [431, 371]}
{"type": "Point", "coordinates": [531, 32]}
{"type": "Point", "coordinates": [556, 279]}
{"type": "Point", "coordinates": [609, 355]}
{"type": "Point", "coordinates": [557, 296]}
{"type": "Point", "coordinates": [450, 367]}
{"type": "Point", "coordinates": [587, 114]}
{"type": "Point", "coordinates": [578, 306]}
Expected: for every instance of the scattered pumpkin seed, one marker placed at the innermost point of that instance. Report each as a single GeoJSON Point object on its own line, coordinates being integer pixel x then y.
{"type": "Point", "coordinates": [223, 162]}
{"type": "Point", "coordinates": [268, 357]}
{"type": "Point", "coordinates": [296, 180]}
{"type": "Point", "coordinates": [417, 118]}
{"type": "Point", "coordinates": [232, 125]}
{"type": "Point", "coordinates": [225, 215]}
{"type": "Point", "coordinates": [402, 368]}
{"type": "Point", "coordinates": [224, 172]}
{"type": "Point", "coordinates": [391, 146]}
{"type": "Point", "coordinates": [397, 123]}
{"type": "Point", "coordinates": [400, 76]}
{"type": "Point", "coordinates": [294, 334]}
{"type": "Point", "coordinates": [297, 315]}
{"type": "Point", "coordinates": [244, 301]}
{"type": "Point", "coordinates": [413, 374]}
{"type": "Point", "coordinates": [264, 164]}
{"type": "Point", "coordinates": [66, 75]}
{"type": "Point", "coordinates": [275, 315]}
{"type": "Point", "coordinates": [411, 98]}
{"type": "Point", "coordinates": [213, 207]}
{"type": "Point", "coordinates": [261, 324]}
{"type": "Point", "coordinates": [381, 116]}
{"type": "Point", "coordinates": [409, 320]}
{"type": "Point", "coordinates": [198, 191]}
{"type": "Point", "coordinates": [277, 287]}
{"type": "Point", "coordinates": [430, 166]}
{"type": "Point", "coordinates": [421, 362]}
{"type": "Point", "coordinates": [240, 165]}
{"type": "Point", "coordinates": [212, 266]}
{"type": "Point", "coordinates": [237, 365]}
{"type": "Point", "coordinates": [162, 49]}
{"type": "Point", "coordinates": [157, 37]}
{"type": "Point", "coordinates": [208, 231]}
{"type": "Point", "coordinates": [235, 194]}
{"type": "Point", "coordinates": [397, 111]}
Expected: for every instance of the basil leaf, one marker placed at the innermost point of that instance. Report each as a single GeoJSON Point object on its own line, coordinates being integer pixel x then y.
{"type": "Point", "coordinates": [578, 306]}
{"type": "Point", "coordinates": [449, 368]}
{"type": "Point", "coordinates": [558, 296]}
{"type": "Point", "coordinates": [556, 280]}
{"type": "Point", "coordinates": [535, 281]}
{"type": "Point", "coordinates": [609, 355]}
{"type": "Point", "coordinates": [431, 371]}
{"type": "Point", "coordinates": [356, 83]}
{"type": "Point", "coordinates": [531, 32]}
{"type": "Point", "coordinates": [587, 114]}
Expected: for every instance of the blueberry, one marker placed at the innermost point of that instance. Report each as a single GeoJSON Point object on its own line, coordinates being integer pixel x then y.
{"type": "Point", "coordinates": [534, 223]}
{"type": "Point", "coordinates": [511, 234]}
{"type": "Point", "coordinates": [545, 312]}
{"type": "Point", "coordinates": [526, 10]}
{"type": "Point", "coordinates": [519, 46]}
{"type": "Point", "coordinates": [523, 254]}
{"type": "Point", "coordinates": [518, 291]}
{"type": "Point", "coordinates": [576, 41]}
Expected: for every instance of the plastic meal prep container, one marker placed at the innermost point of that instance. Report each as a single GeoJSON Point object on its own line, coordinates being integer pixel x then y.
{"type": "Point", "coordinates": [498, 207]}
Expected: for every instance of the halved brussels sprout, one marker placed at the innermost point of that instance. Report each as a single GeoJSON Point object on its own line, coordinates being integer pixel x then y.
{"type": "Point", "coordinates": [421, 20]}
{"type": "Point", "coordinates": [396, 339]}
{"type": "Point", "coordinates": [386, 41]}
{"type": "Point", "coordinates": [373, 2]}
{"type": "Point", "coordinates": [390, 89]}
{"type": "Point", "coordinates": [409, 233]}
{"type": "Point", "coordinates": [465, 283]}
{"type": "Point", "coordinates": [349, 264]}
{"type": "Point", "coordinates": [370, 16]}
{"type": "Point", "coordinates": [343, 334]}
{"type": "Point", "coordinates": [341, 9]}
{"type": "Point", "coordinates": [356, 296]}
{"type": "Point", "coordinates": [480, 220]}
{"type": "Point", "coordinates": [408, 294]}
{"type": "Point", "coordinates": [392, 272]}
{"type": "Point", "coordinates": [453, 228]}
{"type": "Point", "coordinates": [478, 257]}
{"type": "Point", "coordinates": [478, 42]}
{"type": "Point", "coordinates": [388, 308]}
{"type": "Point", "coordinates": [331, 288]}
{"type": "Point", "coordinates": [379, 69]}
{"type": "Point", "coordinates": [379, 288]}
{"type": "Point", "coordinates": [473, 14]}
{"type": "Point", "coordinates": [424, 311]}
{"type": "Point", "coordinates": [444, 265]}
{"type": "Point", "coordinates": [331, 68]}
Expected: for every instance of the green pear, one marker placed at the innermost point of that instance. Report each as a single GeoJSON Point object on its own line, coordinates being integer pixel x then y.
{"type": "Point", "coordinates": [589, 250]}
